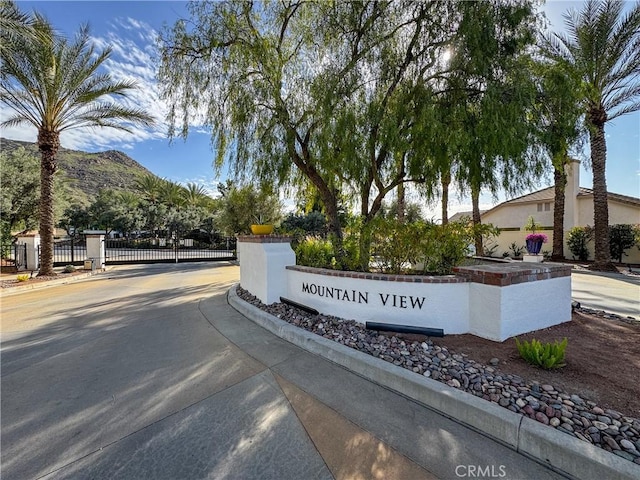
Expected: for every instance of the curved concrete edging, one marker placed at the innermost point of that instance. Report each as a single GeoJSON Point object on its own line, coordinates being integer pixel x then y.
{"type": "Point", "coordinates": [558, 450]}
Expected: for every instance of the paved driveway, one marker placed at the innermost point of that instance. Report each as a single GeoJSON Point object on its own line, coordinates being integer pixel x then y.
{"type": "Point", "coordinates": [611, 292]}
{"type": "Point", "coordinates": [146, 372]}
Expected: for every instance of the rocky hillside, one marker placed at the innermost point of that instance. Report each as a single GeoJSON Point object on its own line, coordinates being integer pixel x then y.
{"type": "Point", "coordinates": [84, 174]}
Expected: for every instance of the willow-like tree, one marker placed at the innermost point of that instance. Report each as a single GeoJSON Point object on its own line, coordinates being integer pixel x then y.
{"type": "Point", "coordinates": [378, 135]}
{"type": "Point", "coordinates": [305, 91]}
{"type": "Point", "coordinates": [495, 135]}
{"type": "Point", "coordinates": [601, 47]}
{"type": "Point", "coordinates": [54, 85]}
{"type": "Point", "coordinates": [251, 67]}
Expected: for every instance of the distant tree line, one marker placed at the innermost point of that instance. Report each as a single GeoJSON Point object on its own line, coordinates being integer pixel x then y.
{"type": "Point", "coordinates": [161, 208]}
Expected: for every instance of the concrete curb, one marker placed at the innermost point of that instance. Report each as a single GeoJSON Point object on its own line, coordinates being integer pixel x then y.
{"type": "Point", "coordinates": [560, 451]}
{"type": "Point", "coordinates": [49, 283]}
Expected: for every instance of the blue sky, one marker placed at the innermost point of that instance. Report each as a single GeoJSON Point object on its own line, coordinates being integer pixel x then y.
{"type": "Point", "coordinates": [130, 27]}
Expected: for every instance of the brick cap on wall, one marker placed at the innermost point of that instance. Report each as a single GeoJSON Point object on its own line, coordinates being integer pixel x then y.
{"type": "Point", "coordinates": [501, 275]}
{"type": "Point", "coordinates": [264, 238]}
{"type": "Point", "coordinates": [380, 276]}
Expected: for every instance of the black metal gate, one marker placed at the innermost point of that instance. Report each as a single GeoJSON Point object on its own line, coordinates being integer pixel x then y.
{"type": "Point", "coordinates": [167, 250]}
{"type": "Point", "coordinates": [73, 251]}
{"type": "Point", "coordinates": [70, 251]}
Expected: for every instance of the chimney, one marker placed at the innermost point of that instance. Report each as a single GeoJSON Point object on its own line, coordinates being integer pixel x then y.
{"type": "Point", "coordinates": [571, 190]}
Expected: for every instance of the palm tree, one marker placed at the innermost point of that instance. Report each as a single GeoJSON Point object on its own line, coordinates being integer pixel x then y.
{"type": "Point", "coordinates": [602, 48]}
{"type": "Point", "coordinates": [150, 187]}
{"type": "Point", "coordinates": [172, 194]}
{"type": "Point", "coordinates": [195, 195]}
{"type": "Point", "coordinates": [54, 85]}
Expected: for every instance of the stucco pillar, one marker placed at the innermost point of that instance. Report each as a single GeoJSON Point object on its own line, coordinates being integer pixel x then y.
{"type": "Point", "coordinates": [32, 240]}
{"type": "Point", "coordinates": [96, 250]}
{"type": "Point", "coordinates": [263, 261]}
{"type": "Point", "coordinates": [571, 190]}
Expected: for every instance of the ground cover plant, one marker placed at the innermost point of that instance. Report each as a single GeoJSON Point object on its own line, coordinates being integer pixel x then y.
{"type": "Point", "coordinates": [548, 355]}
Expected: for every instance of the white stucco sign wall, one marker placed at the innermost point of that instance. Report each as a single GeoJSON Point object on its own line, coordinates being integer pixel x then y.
{"type": "Point", "coordinates": [493, 301]}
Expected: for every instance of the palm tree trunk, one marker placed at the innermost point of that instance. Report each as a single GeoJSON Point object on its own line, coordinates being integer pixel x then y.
{"type": "Point", "coordinates": [600, 201]}
{"type": "Point", "coordinates": [560, 182]}
{"type": "Point", "coordinates": [48, 144]}
{"type": "Point", "coordinates": [475, 202]}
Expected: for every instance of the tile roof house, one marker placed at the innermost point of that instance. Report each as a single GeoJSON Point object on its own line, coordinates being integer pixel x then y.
{"type": "Point", "coordinates": [511, 216]}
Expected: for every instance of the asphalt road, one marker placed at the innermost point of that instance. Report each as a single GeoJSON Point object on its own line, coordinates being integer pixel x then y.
{"type": "Point", "coordinates": [146, 372]}
{"type": "Point", "coordinates": [611, 292]}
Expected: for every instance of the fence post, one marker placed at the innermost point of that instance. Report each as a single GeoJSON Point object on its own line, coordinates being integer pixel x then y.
{"type": "Point", "coordinates": [33, 248]}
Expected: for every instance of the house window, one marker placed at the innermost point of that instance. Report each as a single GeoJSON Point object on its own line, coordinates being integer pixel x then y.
{"type": "Point", "coordinates": [539, 207]}
{"type": "Point", "coordinates": [547, 207]}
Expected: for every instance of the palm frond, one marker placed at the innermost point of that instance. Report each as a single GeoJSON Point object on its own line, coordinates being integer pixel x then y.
{"type": "Point", "coordinates": [602, 47]}
{"type": "Point", "coordinates": [629, 107]}
{"type": "Point", "coordinates": [56, 85]}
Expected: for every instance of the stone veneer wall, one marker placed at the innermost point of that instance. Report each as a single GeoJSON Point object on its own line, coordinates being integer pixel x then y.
{"type": "Point", "coordinates": [492, 301]}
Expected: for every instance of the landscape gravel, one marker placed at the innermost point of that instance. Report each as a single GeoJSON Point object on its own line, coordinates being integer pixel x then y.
{"type": "Point", "coordinates": [569, 413]}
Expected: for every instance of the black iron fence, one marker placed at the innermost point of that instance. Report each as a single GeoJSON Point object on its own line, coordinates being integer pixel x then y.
{"type": "Point", "coordinates": [14, 255]}
{"type": "Point", "coordinates": [73, 251]}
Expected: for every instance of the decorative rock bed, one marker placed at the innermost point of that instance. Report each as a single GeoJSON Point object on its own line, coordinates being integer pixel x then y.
{"type": "Point", "coordinates": [607, 429]}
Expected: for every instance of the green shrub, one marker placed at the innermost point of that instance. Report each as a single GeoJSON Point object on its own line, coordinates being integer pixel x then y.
{"type": "Point", "coordinates": [315, 252]}
{"type": "Point", "coordinates": [547, 356]}
{"type": "Point", "coordinates": [621, 237]}
{"type": "Point", "coordinates": [490, 250]}
{"type": "Point", "coordinates": [310, 223]}
{"type": "Point", "coordinates": [69, 269]}
{"type": "Point", "coordinates": [445, 246]}
{"type": "Point", "coordinates": [395, 245]}
{"type": "Point", "coordinates": [398, 246]}
{"type": "Point", "coordinates": [350, 254]}
{"type": "Point", "coordinates": [577, 241]}
{"type": "Point", "coordinates": [23, 277]}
